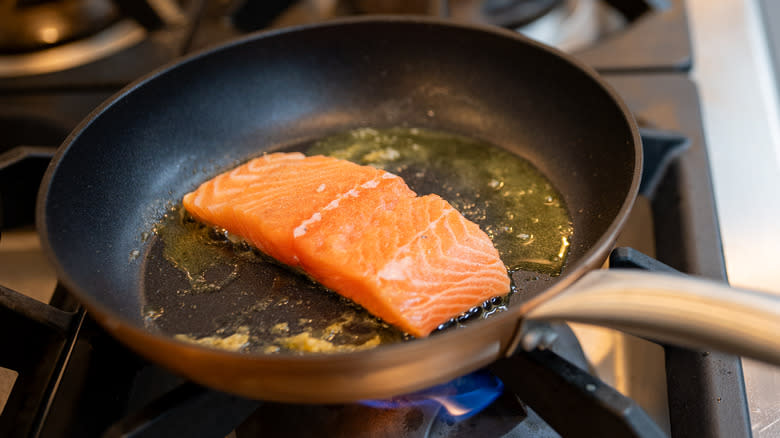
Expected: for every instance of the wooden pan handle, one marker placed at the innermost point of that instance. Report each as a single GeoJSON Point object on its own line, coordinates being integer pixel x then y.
{"type": "Point", "coordinates": [674, 309]}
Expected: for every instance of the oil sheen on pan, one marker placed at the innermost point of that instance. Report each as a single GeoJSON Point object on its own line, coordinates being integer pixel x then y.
{"type": "Point", "coordinates": [202, 285]}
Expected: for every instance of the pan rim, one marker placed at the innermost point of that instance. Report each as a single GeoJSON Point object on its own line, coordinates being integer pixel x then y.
{"type": "Point", "coordinates": [592, 258]}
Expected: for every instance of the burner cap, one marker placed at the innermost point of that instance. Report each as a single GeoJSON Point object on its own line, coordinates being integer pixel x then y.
{"type": "Point", "coordinates": [31, 25]}
{"type": "Point", "coordinates": [505, 13]}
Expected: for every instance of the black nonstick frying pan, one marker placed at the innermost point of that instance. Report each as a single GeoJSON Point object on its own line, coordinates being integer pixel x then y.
{"type": "Point", "coordinates": [122, 168]}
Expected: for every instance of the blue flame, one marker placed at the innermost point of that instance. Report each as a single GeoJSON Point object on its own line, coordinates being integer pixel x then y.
{"type": "Point", "coordinates": [461, 398]}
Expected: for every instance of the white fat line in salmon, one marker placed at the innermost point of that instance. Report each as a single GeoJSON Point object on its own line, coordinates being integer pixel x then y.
{"type": "Point", "coordinates": [354, 192]}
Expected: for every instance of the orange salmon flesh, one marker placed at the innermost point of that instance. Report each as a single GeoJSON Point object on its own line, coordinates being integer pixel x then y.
{"type": "Point", "coordinates": [413, 261]}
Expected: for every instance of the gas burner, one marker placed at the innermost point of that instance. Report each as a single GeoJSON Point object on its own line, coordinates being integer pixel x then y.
{"type": "Point", "coordinates": [117, 37]}
{"type": "Point", "coordinates": [460, 398]}
{"type": "Point", "coordinates": [504, 13]}
{"type": "Point", "coordinates": [574, 25]}
{"type": "Point", "coordinates": [50, 36]}
{"type": "Point", "coordinates": [566, 24]}
{"type": "Point", "coordinates": [569, 25]}
{"type": "Point", "coordinates": [45, 36]}
{"type": "Point", "coordinates": [29, 26]}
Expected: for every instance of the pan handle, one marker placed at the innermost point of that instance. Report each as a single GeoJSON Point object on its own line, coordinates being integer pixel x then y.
{"type": "Point", "coordinates": [674, 309]}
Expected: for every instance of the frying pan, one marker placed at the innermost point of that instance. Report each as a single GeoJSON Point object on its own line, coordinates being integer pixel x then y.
{"type": "Point", "coordinates": [138, 153]}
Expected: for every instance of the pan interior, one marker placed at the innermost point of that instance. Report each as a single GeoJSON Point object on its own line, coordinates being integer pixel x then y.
{"type": "Point", "coordinates": [243, 301]}
{"type": "Point", "coordinates": [205, 286]}
{"type": "Point", "coordinates": [123, 170]}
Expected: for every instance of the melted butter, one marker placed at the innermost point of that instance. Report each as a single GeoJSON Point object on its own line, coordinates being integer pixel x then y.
{"type": "Point", "coordinates": [234, 342]}
{"type": "Point", "coordinates": [513, 202]}
{"type": "Point", "coordinates": [286, 316]}
{"type": "Point", "coordinates": [510, 200]}
{"type": "Point", "coordinates": [306, 343]}
{"type": "Point", "coordinates": [334, 338]}
{"type": "Point", "coordinates": [191, 248]}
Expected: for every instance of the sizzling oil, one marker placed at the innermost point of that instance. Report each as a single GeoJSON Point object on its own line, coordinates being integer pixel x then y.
{"type": "Point", "coordinates": [514, 203]}
{"type": "Point", "coordinates": [233, 297]}
{"type": "Point", "coordinates": [223, 302]}
{"type": "Point", "coordinates": [197, 251]}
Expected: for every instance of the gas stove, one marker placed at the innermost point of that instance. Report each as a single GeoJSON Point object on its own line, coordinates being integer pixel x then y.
{"type": "Point", "coordinates": [77, 381]}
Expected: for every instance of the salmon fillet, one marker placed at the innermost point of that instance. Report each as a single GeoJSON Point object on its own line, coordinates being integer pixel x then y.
{"type": "Point", "coordinates": [414, 262]}
{"type": "Point", "coordinates": [265, 199]}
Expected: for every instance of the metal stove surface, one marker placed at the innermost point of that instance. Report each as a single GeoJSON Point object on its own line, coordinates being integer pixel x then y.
{"type": "Point", "coordinates": [734, 42]}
